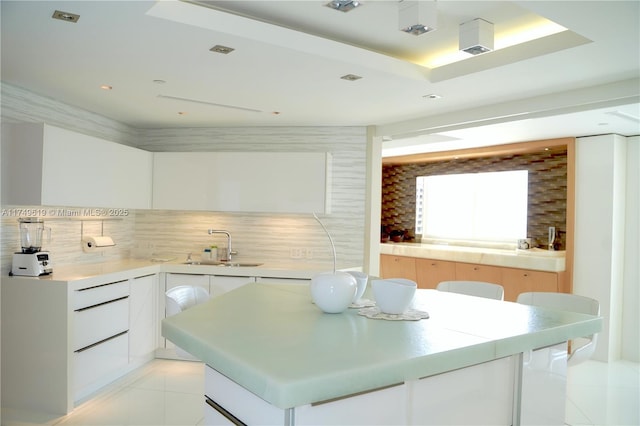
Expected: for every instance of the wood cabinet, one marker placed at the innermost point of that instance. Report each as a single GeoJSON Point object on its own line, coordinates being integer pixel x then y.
{"type": "Point", "coordinates": [46, 165]}
{"type": "Point", "coordinates": [274, 182]}
{"type": "Point", "coordinates": [398, 267]}
{"type": "Point", "coordinates": [477, 272]}
{"type": "Point", "coordinates": [431, 272]}
{"type": "Point", "coordinates": [427, 273]}
{"type": "Point", "coordinates": [516, 281]}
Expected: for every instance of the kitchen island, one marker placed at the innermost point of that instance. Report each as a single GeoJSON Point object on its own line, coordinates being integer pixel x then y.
{"type": "Point", "coordinates": [275, 358]}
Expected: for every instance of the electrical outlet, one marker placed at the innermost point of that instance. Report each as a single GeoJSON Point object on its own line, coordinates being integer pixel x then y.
{"type": "Point", "coordinates": [309, 254]}
{"type": "Point", "coordinates": [295, 253]}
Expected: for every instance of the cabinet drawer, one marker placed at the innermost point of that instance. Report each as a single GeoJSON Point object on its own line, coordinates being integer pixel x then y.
{"type": "Point", "coordinates": [99, 362]}
{"type": "Point", "coordinates": [239, 402]}
{"type": "Point", "coordinates": [99, 294]}
{"type": "Point", "coordinates": [398, 267]}
{"type": "Point", "coordinates": [476, 272]}
{"type": "Point", "coordinates": [100, 322]}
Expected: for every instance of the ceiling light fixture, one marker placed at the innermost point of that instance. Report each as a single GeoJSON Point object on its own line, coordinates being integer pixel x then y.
{"type": "Point", "coordinates": [476, 37]}
{"type": "Point", "coordinates": [65, 16]}
{"type": "Point", "coordinates": [106, 87]}
{"type": "Point", "coordinates": [343, 5]}
{"type": "Point", "coordinates": [222, 49]}
{"type": "Point", "coordinates": [432, 96]}
{"type": "Point", "coordinates": [417, 17]}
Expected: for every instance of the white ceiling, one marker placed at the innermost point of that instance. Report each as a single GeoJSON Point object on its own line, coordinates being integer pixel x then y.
{"type": "Point", "coordinates": [289, 57]}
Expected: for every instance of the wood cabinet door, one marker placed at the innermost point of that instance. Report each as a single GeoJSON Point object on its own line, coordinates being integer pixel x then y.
{"type": "Point", "coordinates": [397, 267]}
{"type": "Point", "coordinates": [430, 272]}
{"type": "Point", "coordinates": [475, 272]}
{"type": "Point", "coordinates": [516, 281]}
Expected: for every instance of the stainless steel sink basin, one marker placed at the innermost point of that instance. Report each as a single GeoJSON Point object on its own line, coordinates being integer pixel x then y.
{"type": "Point", "coordinates": [225, 264]}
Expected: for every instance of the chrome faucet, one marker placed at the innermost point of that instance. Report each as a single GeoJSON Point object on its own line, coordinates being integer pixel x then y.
{"type": "Point", "coordinates": [229, 249]}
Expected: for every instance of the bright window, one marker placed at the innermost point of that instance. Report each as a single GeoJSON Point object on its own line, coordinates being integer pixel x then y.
{"type": "Point", "coordinates": [474, 207]}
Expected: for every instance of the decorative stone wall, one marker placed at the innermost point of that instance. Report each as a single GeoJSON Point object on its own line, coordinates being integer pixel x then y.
{"type": "Point", "coordinates": [547, 189]}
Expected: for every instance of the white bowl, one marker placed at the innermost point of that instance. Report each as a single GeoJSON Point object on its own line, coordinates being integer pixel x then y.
{"type": "Point", "coordinates": [361, 279]}
{"type": "Point", "coordinates": [394, 295]}
{"type": "Point", "coordinates": [333, 292]}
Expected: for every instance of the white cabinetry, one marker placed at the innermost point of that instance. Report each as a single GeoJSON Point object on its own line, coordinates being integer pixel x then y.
{"type": "Point", "coordinates": [46, 165]}
{"type": "Point", "coordinates": [143, 320]}
{"type": "Point", "coordinates": [63, 340]}
{"type": "Point", "coordinates": [275, 182]}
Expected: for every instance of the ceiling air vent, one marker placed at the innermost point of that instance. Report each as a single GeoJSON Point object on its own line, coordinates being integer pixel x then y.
{"type": "Point", "coordinates": [65, 16]}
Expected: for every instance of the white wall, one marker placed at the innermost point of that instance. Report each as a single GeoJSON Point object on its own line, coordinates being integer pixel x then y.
{"type": "Point", "coordinates": [602, 237]}
{"type": "Point", "coordinates": [631, 291]}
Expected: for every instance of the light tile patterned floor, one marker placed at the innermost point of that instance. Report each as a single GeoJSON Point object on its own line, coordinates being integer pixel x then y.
{"type": "Point", "coordinates": [168, 392]}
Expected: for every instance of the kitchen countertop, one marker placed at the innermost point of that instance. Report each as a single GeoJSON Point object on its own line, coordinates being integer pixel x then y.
{"type": "Point", "coordinates": [124, 269]}
{"type": "Point", "coordinates": [535, 259]}
{"type": "Point", "coordinates": [274, 342]}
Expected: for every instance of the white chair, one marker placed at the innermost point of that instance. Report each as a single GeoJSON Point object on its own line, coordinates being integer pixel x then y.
{"type": "Point", "coordinates": [581, 349]}
{"type": "Point", "coordinates": [473, 288]}
{"type": "Point", "coordinates": [181, 298]}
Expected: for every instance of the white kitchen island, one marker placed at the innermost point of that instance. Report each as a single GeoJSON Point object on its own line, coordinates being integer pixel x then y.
{"type": "Point", "coordinates": [275, 358]}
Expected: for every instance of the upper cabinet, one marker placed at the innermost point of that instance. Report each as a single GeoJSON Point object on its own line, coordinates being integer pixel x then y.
{"type": "Point", "coordinates": [273, 182]}
{"type": "Point", "coordinates": [46, 165]}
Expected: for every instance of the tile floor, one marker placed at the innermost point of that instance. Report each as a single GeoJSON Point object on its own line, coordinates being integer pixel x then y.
{"type": "Point", "coordinates": [168, 392]}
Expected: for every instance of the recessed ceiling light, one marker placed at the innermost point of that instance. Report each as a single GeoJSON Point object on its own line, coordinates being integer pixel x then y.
{"type": "Point", "coordinates": [106, 87]}
{"type": "Point", "coordinates": [351, 77]}
{"type": "Point", "coordinates": [65, 16]}
{"type": "Point", "coordinates": [222, 49]}
{"type": "Point", "coordinates": [159, 81]}
{"type": "Point", "coordinates": [182, 113]}
{"type": "Point", "coordinates": [343, 5]}
{"type": "Point", "coordinates": [432, 96]}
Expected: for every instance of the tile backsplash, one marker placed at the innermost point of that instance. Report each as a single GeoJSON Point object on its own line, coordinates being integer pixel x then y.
{"type": "Point", "coordinates": [547, 204]}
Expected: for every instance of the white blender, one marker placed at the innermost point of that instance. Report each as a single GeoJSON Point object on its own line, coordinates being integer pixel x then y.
{"type": "Point", "coordinates": [31, 262]}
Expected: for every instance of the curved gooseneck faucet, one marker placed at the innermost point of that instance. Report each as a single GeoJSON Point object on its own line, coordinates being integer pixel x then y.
{"type": "Point", "coordinates": [229, 249]}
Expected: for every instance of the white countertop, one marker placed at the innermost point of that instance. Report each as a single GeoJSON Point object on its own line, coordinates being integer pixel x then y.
{"type": "Point", "coordinates": [273, 341]}
{"type": "Point", "coordinates": [88, 274]}
{"type": "Point", "coordinates": [536, 259]}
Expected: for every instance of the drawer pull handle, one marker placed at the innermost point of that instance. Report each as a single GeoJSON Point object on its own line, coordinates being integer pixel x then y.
{"type": "Point", "coordinates": [101, 342]}
{"type": "Point", "coordinates": [100, 304]}
{"type": "Point", "coordinates": [220, 409]}
{"type": "Point", "coordinates": [101, 285]}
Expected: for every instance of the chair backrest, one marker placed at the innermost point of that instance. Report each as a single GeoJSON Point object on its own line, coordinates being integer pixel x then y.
{"type": "Point", "coordinates": [184, 297]}
{"type": "Point", "coordinates": [473, 288]}
{"type": "Point", "coordinates": [571, 303]}
{"type": "Point", "coordinates": [178, 299]}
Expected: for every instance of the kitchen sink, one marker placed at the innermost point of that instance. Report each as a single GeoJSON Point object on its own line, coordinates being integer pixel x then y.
{"type": "Point", "coordinates": [225, 264]}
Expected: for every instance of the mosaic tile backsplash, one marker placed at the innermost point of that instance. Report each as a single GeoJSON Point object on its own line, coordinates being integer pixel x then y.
{"type": "Point", "coordinates": [547, 189]}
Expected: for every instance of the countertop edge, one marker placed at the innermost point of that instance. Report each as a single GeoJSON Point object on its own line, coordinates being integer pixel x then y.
{"type": "Point", "coordinates": [492, 257]}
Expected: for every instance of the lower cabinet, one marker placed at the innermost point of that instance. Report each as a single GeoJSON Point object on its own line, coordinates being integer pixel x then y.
{"type": "Point", "coordinates": [516, 281]}
{"type": "Point", "coordinates": [427, 273]}
{"type": "Point", "coordinates": [476, 272]}
{"type": "Point", "coordinates": [67, 339]}
{"type": "Point", "coordinates": [143, 319]}
{"type": "Point", "coordinates": [398, 267]}
{"type": "Point", "coordinates": [227, 403]}
{"type": "Point", "coordinates": [480, 394]}
{"type": "Point", "coordinates": [431, 272]}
